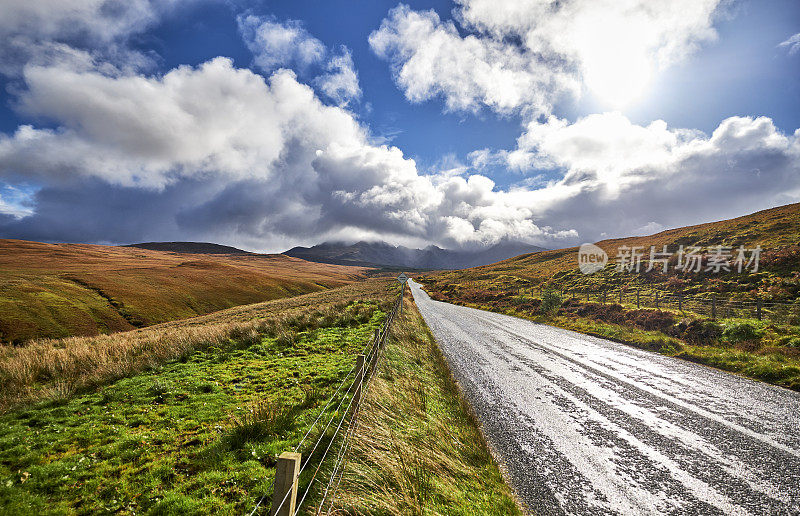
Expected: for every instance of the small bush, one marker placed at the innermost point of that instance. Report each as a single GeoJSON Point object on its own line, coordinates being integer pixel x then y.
{"type": "Point", "coordinates": [263, 419]}
{"type": "Point", "coordinates": [740, 331]}
{"type": "Point", "coordinates": [794, 342]}
{"type": "Point", "coordinates": [268, 418]}
{"type": "Point", "coordinates": [551, 301]}
{"type": "Point", "coordinates": [697, 331]}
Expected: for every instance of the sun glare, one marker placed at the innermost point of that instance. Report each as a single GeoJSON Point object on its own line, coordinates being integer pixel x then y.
{"type": "Point", "coordinates": [617, 66]}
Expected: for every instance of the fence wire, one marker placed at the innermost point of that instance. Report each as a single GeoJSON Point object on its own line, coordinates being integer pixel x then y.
{"type": "Point", "coordinates": [372, 352]}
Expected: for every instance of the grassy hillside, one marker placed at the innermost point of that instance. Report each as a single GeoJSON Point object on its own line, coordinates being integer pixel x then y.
{"type": "Point", "coordinates": [185, 417]}
{"type": "Point", "coordinates": [58, 290]}
{"type": "Point", "coordinates": [777, 231]}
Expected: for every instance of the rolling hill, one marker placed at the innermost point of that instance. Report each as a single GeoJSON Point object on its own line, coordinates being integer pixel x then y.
{"type": "Point", "coordinates": [386, 255]}
{"type": "Point", "coordinates": [189, 247]}
{"type": "Point", "coordinates": [58, 290]}
{"type": "Point", "coordinates": [776, 230]}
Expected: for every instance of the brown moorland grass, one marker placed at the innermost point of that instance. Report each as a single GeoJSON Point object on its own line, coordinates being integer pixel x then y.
{"type": "Point", "coordinates": [60, 290]}
{"type": "Point", "coordinates": [53, 368]}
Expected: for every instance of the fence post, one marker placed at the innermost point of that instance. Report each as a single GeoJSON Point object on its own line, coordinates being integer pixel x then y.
{"type": "Point", "coordinates": [359, 377]}
{"type": "Point", "coordinates": [286, 472]}
{"type": "Point", "coordinates": [713, 307]}
{"type": "Point", "coordinates": [680, 301]}
{"type": "Point", "coordinates": [402, 295]}
{"type": "Point", "coordinates": [758, 309]}
{"type": "Point", "coordinates": [620, 295]}
{"type": "Point", "coordinates": [573, 293]}
{"type": "Point", "coordinates": [637, 298]}
{"type": "Point", "coordinates": [657, 300]}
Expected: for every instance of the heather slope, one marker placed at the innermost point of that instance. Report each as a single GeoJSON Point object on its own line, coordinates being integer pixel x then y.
{"type": "Point", "coordinates": [58, 290]}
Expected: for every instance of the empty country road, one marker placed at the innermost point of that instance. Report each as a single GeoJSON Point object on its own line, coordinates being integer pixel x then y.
{"type": "Point", "coordinates": [589, 426]}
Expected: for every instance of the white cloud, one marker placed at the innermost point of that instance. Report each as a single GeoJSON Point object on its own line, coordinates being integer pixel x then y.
{"type": "Point", "coordinates": [52, 31]}
{"type": "Point", "coordinates": [239, 156]}
{"type": "Point", "coordinates": [431, 59]}
{"type": "Point", "coordinates": [792, 43]}
{"type": "Point", "coordinates": [279, 44]}
{"type": "Point", "coordinates": [627, 177]}
{"type": "Point", "coordinates": [525, 55]}
{"type": "Point", "coordinates": [341, 82]}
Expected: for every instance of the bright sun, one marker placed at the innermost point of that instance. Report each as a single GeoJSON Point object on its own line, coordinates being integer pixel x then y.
{"type": "Point", "coordinates": [616, 63]}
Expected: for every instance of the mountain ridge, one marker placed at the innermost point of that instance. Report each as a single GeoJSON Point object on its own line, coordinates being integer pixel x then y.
{"type": "Point", "coordinates": [382, 254]}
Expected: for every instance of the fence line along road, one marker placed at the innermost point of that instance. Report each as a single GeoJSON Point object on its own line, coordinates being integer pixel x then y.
{"type": "Point", "coordinates": [713, 305]}
{"type": "Point", "coordinates": [290, 464]}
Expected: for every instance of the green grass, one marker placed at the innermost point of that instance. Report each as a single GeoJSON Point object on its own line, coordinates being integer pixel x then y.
{"type": "Point", "coordinates": [199, 435]}
{"type": "Point", "coordinates": [418, 449]}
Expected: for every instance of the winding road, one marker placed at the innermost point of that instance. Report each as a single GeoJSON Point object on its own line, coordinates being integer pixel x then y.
{"type": "Point", "coordinates": [588, 426]}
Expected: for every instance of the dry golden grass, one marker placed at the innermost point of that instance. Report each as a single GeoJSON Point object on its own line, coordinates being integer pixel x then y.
{"type": "Point", "coordinates": [55, 368]}
{"type": "Point", "coordinates": [59, 290]}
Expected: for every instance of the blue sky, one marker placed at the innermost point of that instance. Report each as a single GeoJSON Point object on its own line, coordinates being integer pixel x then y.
{"type": "Point", "coordinates": [532, 125]}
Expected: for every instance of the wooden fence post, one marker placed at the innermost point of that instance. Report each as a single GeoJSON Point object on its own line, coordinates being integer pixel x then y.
{"type": "Point", "coordinates": [713, 307]}
{"type": "Point", "coordinates": [656, 299]}
{"type": "Point", "coordinates": [359, 378]}
{"type": "Point", "coordinates": [758, 309]}
{"type": "Point", "coordinates": [284, 498]}
{"type": "Point", "coordinates": [637, 298]}
{"type": "Point", "coordinates": [680, 301]}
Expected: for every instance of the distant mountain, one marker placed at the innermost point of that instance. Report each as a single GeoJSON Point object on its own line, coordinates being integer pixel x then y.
{"type": "Point", "coordinates": [432, 257]}
{"type": "Point", "coordinates": [189, 247]}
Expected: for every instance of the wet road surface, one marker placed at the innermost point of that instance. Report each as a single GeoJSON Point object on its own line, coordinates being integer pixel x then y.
{"type": "Point", "coordinates": [589, 426]}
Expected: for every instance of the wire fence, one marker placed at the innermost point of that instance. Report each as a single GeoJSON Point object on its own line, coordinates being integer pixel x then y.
{"type": "Point", "coordinates": [326, 477]}
{"type": "Point", "coordinates": [709, 305]}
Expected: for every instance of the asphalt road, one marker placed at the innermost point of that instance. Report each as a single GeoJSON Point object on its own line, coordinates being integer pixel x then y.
{"type": "Point", "coordinates": [589, 426]}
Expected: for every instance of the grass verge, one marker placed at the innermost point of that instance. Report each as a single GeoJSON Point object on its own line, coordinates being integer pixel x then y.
{"type": "Point", "coordinates": [417, 449]}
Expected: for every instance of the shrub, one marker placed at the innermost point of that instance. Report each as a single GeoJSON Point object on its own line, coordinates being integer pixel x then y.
{"type": "Point", "coordinates": [739, 331]}
{"type": "Point", "coordinates": [697, 331]}
{"type": "Point", "coordinates": [551, 301]}
{"type": "Point", "coordinates": [794, 342]}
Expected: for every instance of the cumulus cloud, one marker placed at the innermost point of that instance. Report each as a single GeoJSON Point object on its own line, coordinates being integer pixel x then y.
{"type": "Point", "coordinates": [628, 177]}
{"type": "Point", "coordinates": [218, 150]}
{"type": "Point", "coordinates": [287, 44]}
{"type": "Point", "coordinates": [430, 59]}
{"type": "Point", "coordinates": [51, 31]}
{"type": "Point", "coordinates": [340, 83]}
{"type": "Point", "coordinates": [792, 43]}
{"type": "Point", "coordinates": [276, 44]}
{"type": "Point", "coordinates": [215, 152]}
{"type": "Point", "coordinates": [524, 55]}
